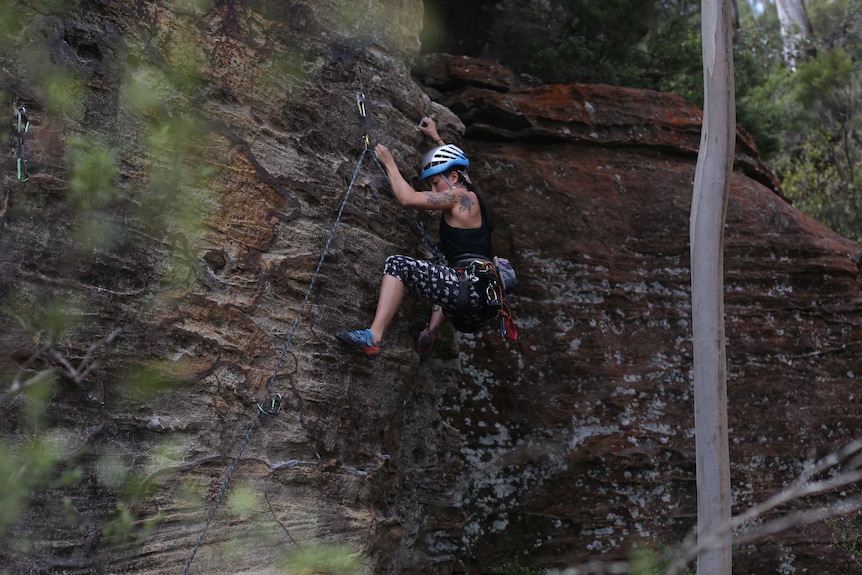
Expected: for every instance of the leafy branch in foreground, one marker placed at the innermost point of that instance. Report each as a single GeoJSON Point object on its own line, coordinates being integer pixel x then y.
{"type": "Point", "coordinates": [848, 537]}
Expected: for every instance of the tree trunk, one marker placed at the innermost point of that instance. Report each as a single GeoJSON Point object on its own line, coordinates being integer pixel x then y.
{"type": "Point", "coordinates": [795, 29]}
{"type": "Point", "coordinates": [708, 214]}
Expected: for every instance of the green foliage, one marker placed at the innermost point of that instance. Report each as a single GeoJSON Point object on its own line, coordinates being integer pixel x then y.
{"type": "Point", "coordinates": [806, 122]}
{"type": "Point", "coordinates": [675, 65]}
{"type": "Point", "coordinates": [10, 21]}
{"type": "Point", "coordinates": [651, 561]}
{"type": "Point", "coordinates": [818, 80]}
{"type": "Point", "coordinates": [837, 24]}
{"type": "Point", "coordinates": [516, 569]}
{"type": "Point", "coordinates": [243, 501]}
{"type": "Point", "coordinates": [819, 162]}
{"type": "Point", "coordinates": [164, 147]}
{"type": "Point", "coordinates": [335, 559]}
{"type": "Point", "coordinates": [125, 527]}
{"type": "Point", "coordinates": [190, 7]}
{"type": "Point", "coordinates": [63, 94]}
{"type": "Point", "coordinates": [93, 169]}
{"type": "Point", "coordinates": [143, 383]}
{"type": "Point", "coordinates": [646, 44]}
{"type": "Point", "coordinates": [655, 44]}
{"type": "Point", "coordinates": [760, 76]}
{"type": "Point", "coordinates": [15, 15]}
{"type": "Point", "coordinates": [36, 397]}
{"type": "Point", "coordinates": [847, 536]}
{"type": "Point", "coordinates": [112, 471]}
{"type": "Point", "coordinates": [48, 321]}
{"type": "Point", "coordinates": [27, 467]}
{"type": "Point", "coordinates": [812, 180]}
{"type": "Point", "coordinates": [174, 150]}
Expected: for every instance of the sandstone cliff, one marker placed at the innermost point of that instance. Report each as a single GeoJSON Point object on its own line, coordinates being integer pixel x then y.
{"type": "Point", "coordinates": [574, 444]}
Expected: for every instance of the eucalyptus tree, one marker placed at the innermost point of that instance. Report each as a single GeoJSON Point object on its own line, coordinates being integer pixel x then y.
{"type": "Point", "coordinates": [795, 29]}
{"type": "Point", "coordinates": [708, 214]}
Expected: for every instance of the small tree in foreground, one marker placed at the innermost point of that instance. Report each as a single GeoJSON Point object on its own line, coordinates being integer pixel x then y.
{"type": "Point", "coordinates": [708, 214]}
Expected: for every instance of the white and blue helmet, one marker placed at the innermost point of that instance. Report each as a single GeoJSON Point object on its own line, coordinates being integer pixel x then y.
{"type": "Point", "coordinates": [442, 159]}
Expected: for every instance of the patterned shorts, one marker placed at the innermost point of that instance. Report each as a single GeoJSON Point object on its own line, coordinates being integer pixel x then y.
{"type": "Point", "coordinates": [464, 303]}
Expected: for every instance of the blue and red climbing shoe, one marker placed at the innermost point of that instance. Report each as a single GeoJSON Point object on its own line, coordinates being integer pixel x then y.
{"type": "Point", "coordinates": [425, 342]}
{"type": "Point", "coordinates": [361, 339]}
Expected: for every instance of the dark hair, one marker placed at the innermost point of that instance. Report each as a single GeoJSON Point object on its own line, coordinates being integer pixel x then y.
{"type": "Point", "coordinates": [486, 209]}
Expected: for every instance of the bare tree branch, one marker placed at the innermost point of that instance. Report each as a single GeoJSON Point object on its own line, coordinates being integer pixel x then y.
{"type": "Point", "coordinates": [802, 487]}
{"type": "Point", "coordinates": [77, 374]}
{"type": "Point", "coordinates": [18, 385]}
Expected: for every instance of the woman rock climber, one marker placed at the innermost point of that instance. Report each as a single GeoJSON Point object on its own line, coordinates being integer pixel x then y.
{"type": "Point", "coordinates": [460, 292]}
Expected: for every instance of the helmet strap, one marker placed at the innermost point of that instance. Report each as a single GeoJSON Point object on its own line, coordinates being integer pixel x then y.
{"type": "Point", "coordinates": [458, 183]}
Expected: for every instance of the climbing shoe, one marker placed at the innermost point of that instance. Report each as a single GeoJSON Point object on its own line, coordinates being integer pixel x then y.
{"type": "Point", "coordinates": [362, 339]}
{"type": "Point", "coordinates": [425, 342]}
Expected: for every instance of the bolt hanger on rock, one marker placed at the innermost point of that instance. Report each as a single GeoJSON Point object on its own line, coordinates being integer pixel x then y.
{"type": "Point", "coordinates": [23, 122]}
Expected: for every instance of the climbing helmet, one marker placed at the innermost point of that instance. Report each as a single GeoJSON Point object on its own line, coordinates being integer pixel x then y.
{"type": "Point", "coordinates": [443, 158]}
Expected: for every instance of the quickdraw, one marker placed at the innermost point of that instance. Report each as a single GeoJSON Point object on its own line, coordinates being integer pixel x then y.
{"type": "Point", "coordinates": [23, 128]}
{"type": "Point", "coordinates": [271, 403]}
{"type": "Point", "coordinates": [274, 403]}
{"type": "Point", "coordinates": [360, 103]}
{"type": "Point", "coordinates": [366, 140]}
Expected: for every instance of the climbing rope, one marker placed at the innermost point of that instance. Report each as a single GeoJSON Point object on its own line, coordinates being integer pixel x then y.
{"type": "Point", "coordinates": [360, 103]}
{"type": "Point", "coordinates": [23, 127]}
{"type": "Point", "coordinates": [271, 404]}
{"type": "Point", "coordinates": [430, 243]}
{"type": "Point", "coordinates": [420, 227]}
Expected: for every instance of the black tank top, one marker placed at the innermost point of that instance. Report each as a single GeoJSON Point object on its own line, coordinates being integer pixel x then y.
{"type": "Point", "coordinates": [459, 241]}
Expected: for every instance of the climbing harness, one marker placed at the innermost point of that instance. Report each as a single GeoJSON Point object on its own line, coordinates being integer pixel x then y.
{"type": "Point", "coordinates": [478, 269]}
{"type": "Point", "coordinates": [23, 128]}
{"type": "Point", "coordinates": [272, 403]}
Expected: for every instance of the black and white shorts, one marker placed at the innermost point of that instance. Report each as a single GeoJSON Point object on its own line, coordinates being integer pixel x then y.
{"type": "Point", "coordinates": [468, 309]}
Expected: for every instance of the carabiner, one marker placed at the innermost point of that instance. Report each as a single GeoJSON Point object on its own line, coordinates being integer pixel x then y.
{"type": "Point", "coordinates": [360, 103]}
{"type": "Point", "coordinates": [275, 403]}
{"type": "Point", "coordinates": [23, 175]}
{"type": "Point", "coordinates": [493, 297]}
{"type": "Point", "coordinates": [22, 115]}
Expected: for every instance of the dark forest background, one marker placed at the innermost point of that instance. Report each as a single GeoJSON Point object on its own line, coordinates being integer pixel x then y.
{"type": "Point", "coordinates": [798, 85]}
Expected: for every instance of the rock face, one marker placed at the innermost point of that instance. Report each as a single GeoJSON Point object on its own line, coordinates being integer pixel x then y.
{"type": "Point", "coordinates": [573, 444]}
{"type": "Point", "coordinates": [579, 440]}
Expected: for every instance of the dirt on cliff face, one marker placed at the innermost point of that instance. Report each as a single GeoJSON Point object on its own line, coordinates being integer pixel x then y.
{"type": "Point", "coordinates": [163, 267]}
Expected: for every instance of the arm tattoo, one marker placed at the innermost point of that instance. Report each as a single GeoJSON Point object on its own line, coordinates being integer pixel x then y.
{"type": "Point", "coordinates": [437, 198]}
{"type": "Point", "coordinates": [465, 204]}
